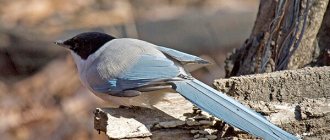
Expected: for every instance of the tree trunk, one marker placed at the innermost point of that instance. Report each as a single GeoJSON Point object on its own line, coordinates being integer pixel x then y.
{"type": "Point", "coordinates": [286, 35]}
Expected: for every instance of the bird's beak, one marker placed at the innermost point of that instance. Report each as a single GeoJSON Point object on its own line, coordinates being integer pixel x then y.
{"type": "Point", "coordinates": [61, 43]}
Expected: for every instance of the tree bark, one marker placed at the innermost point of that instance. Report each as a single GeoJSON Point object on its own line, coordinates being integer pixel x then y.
{"type": "Point", "coordinates": [283, 37]}
{"type": "Point", "coordinates": [323, 47]}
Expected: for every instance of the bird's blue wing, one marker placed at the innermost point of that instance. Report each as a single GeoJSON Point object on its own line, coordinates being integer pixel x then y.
{"type": "Point", "coordinates": [151, 67]}
{"type": "Point", "coordinates": [182, 57]}
{"type": "Point", "coordinates": [146, 70]}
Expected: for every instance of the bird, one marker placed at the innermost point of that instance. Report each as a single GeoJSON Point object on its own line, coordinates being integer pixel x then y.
{"type": "Point", "coordinates": [133, 72]}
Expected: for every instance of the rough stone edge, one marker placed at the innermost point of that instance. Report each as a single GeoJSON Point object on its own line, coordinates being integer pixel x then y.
{"type": "Point", "coordinates": [283, 86]}
{"type": "Point", "coordinates": [119, 127]}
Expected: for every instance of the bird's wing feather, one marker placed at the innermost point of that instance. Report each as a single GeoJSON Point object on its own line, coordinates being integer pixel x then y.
{"type": "Point", "coordinates": [130, 63]}
{"type": "Point", "coordinates": [151, 68]}
{"type": "Point", "coordinates": [182, 57]}
{"type": "Point", "coordinates": [146, 70]}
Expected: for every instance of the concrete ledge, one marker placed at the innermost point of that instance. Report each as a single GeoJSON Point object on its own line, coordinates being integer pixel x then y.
{"type": "Point", "coordinates": [296, 100]}
{"type": "Point", "coordinates": [164, 121]}
{"type": "Point", "coordinates": [289, 86]}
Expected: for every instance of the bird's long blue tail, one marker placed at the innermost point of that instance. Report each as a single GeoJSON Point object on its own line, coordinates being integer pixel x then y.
{"type": "Point", "coordinates": [230, 110]}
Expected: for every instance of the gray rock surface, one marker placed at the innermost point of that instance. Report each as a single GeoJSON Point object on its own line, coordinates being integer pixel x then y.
{"type": "Point", "coordinates": [289, 86]}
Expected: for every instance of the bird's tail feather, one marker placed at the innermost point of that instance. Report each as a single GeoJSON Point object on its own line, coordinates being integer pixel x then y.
{"type": "Point", "coordinates": [230, 110]}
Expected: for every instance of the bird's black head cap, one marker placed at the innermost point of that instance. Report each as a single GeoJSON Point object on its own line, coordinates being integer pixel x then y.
{"type": "Point", "coordinates": [87, 43]}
